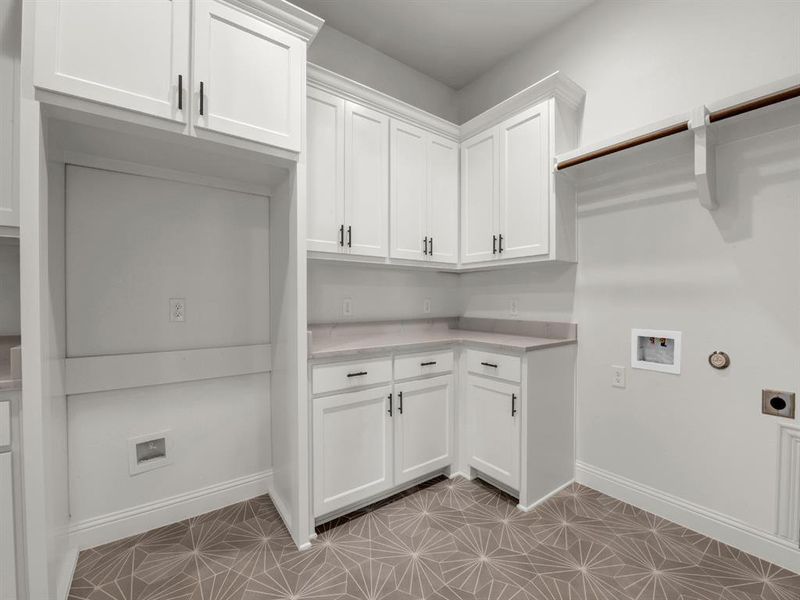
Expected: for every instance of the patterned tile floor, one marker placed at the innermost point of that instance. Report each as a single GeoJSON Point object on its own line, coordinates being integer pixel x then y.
{"type": "Point", "coordinates": [445, 540]}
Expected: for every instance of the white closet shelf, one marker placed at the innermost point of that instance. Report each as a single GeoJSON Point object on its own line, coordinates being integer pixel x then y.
{"type": "Point", "coordinates": [700, 131]}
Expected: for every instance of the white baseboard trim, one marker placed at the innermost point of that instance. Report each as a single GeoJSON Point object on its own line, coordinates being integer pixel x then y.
{"type": "Point", "coordinates": [545, 498]}
{"type": "Point", "coordinates": [67, 573]}
{"type": "Point", "coordinates": [138, 519]}
{"type": "Point", "coordinates": [729, 530]}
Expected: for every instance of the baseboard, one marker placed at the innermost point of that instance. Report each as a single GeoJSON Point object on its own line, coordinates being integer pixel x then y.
{"type": "Point", "coordinates": [545, 498]}
{"type": "Point", "coordinates": [733, 532]}
{"type": "Point", "coordinates": [67, 573]}
{"type": "Point", "coordinates": [131, 521]}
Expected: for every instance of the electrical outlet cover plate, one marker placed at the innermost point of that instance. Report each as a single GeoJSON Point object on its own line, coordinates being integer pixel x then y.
{"type": "Point", "coordinates": [177, 310]}
{"type": "Point", "coordinates": [618, 376]}
{"type": "Point", "coordinates": [777, 403]}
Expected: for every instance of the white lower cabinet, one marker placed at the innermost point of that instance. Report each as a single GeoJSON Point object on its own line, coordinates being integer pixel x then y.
{"type": "Point", "coordinates": [493, 409]}
{"type": "Point", "coordinates": [423, 427]}
{"type": "Point", "coordinates": [352, 451]}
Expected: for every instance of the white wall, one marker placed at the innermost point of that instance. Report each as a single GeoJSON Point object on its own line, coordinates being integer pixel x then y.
{"type": "Point", "coordinates": [378, 293]}
{"type": "Point", "coordinates": [651, 257]}
{"type": "Point", "coordinates": [347, 56]}
{"type": "Point", "coordinates": [644, 61]}
{"type": "Point", "coordinates": [9, 287]}
{"type": "Point", "coordinates": [133, 242]}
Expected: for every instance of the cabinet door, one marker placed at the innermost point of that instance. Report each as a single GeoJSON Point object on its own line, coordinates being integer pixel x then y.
{"type": "Point", "coordinates": [352, 448]}
{"type": "Point", "coordinates": [366, 180]}
{"type": "Point", "coordinates": [126, 54]}
{"type": "Point", "coordinates": [422, 427]}
{"type": "Point", "coordinates": [493, 430]}
{"type": "Point", "coordinates": [325, 171]}
{"type": "Point", "coordinates": [408, 174]}
{"type": "Point", "coordinates": [8, 573]}
{"type": "Point", "coordinates": [525, 184]}
{"type": "Point", "coordinates": [252, 76]}
{"type": "Point", "coordinates": [443, 199]}
{"type": "Point", "coordinates": [479, 196]}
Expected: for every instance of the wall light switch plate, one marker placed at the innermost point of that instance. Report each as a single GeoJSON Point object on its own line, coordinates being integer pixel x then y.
{"type": "Point", "coordinates": [426, 305]}
{"type": "Point", "coordinates": [347, 307]}
{"type": "Point", "coordinates": [177, 310]}
{"type": "Point", "coordinates": [618, 376]}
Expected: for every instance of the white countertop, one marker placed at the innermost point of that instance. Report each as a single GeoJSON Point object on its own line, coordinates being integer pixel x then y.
{"type": "Point", "coordinates": [344, 340]}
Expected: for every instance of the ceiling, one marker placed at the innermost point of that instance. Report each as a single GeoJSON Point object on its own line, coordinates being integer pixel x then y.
{"type": "Point", "coordinates": [453, 41]}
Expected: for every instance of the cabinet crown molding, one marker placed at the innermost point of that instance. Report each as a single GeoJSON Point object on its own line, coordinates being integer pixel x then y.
{"type": "Point", "coordinates": [556, 85]}
{"type": "Point", "coordinates": [339, 85]}
{"type": "Point", "coordinates": [285, 15]}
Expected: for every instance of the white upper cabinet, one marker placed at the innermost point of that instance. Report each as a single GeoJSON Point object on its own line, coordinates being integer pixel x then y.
{"type": "Point", "coordinates": [9, 60]}
{"type": "Point", "coordinates": [325, 171]}
{"type": "Point", "coordinates": [423, 195]}
{"type": "Point", "coordinates": [366, 181]}
{"type": "Point", "coordinates": [128, 54]}
{"type": "Point", "coordinates": [248, 76]}
{"type": "Point", "coordinates": [409, 192]}
{"type": "Point", "coordinates": [480, 191]}
{"type": "Point", "coordinates": [443, 199]}
{"type": "Point", "coordinates": [348, 177]}
{"type": "Point", "coordinates": [525, 184]}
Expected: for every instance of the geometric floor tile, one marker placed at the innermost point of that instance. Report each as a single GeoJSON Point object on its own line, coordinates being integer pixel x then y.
{"type": "Point", "coordinates": [446, 539]}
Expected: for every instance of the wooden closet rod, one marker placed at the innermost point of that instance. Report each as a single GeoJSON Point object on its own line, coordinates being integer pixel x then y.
{"type": "Point", "coordinates": [713, 117]}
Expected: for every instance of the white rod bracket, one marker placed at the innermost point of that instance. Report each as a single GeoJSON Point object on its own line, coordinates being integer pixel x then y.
{"type": "Point", "coordinates": [705, 158]}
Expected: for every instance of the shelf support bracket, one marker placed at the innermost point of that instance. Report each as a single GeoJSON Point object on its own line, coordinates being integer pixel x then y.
{"type": "Point", "coordinates": [705, 158]}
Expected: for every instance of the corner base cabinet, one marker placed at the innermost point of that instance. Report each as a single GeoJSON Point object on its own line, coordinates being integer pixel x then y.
{"type": "Point", "coordinates": [384, 423]}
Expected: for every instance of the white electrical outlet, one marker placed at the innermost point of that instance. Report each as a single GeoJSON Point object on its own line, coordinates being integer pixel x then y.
{"type": "Point", "coordinates": [347, 307]}
{"type": "Point", "coordinates": [514, 307]}
{"type": "Point", "coordinates": [177, 310]}
{"type": "Point", "coordinates": [618, 376]}
{"type": "Point", "coordinates": [426, 305]}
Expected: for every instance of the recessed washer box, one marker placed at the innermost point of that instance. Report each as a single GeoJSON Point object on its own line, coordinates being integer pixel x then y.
{"type": "Point", "coordinates": [148, 452]}
{"type": "Point", "coordinates": [656, 350]}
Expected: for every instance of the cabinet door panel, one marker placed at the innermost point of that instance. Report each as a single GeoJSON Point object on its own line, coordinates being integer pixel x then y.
{"type": "Point", "coordinates": [325, 171]}
{"type": "Point", "coordinates": [126, 54]}
{"type": "Point", "coordinates": [443, 199]}
{"type": "Point", "coordinates": [252, 76]}
{"type": "Point", "coordinates": [479, 195]}
{"type": "Point", "coordinates": [493, 431]}
{"type": "Point", "coordinates": [423, 430]}
{"type": "Point", "coordinates": [525, 184]}
{"type": "Point", "coordinates": [352, 448]}
{"type": "Point", "coordinates": [366, 181]}
{"type": "Point", "coordinates": [408, 191]}
{"type": "Point", "coordinates": [9, 92]}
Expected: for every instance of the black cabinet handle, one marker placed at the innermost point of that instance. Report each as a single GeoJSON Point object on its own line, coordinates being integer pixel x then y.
{"type": "Point", "coordinates": [400, 405]}
{"type": "Point", "coordinates": [180, 92]}
{"type": "Point", "coordinates": [494, 244]}
{"type": "Point", "coordinates": [202, 102]}
{"type": "Point", "coordinates": [513, 404]}
{"type": "Point", "coordinates": [390, 405]}
{"type": "Point", "coordinates": [359, 374]}
{"type": "Point", "coordinates": [425, 246]}
{"type": "Point", "coordinates": [500, 247]}
{"type": "Point", "coordinates": [488, 364]}
{"type": "Point", "coordinates": [431, 250]}
{"type": "Point", "coordinates": [349, 236]}
{"type": "Point", "coordinates": [427, 364]}
{"type": "Point", "coordinates": [341, 235]}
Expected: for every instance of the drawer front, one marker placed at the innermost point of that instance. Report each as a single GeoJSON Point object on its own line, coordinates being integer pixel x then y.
{"type": "Point", "coordinates": [418, 365]}
{"type": "Point", "coordinates": [5, 423]}
{"type": "Point", "coordinates": [348, 375]}
{"type": "Point", "coordinates": [493, 364]}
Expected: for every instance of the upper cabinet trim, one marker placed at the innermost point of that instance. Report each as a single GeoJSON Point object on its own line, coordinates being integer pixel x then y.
{"type": "Point", "coordinates": [285, 15]}
{"type": "Point", "coordinates": [556, 85]}
{"type": "Point", "coordinates": [322, 78]}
